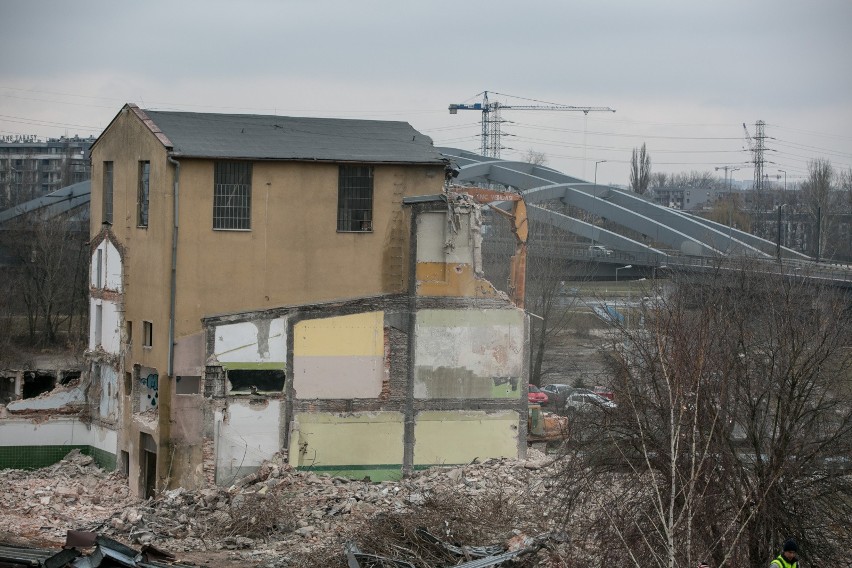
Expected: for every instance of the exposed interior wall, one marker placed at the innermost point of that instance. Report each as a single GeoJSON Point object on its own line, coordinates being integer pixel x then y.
{"type": "Point", "coordinates": [148, 390]}
{"type": "Point", "coordinates": [246, 432]}
{"type": "Point", "coordinates": [468, 353]}
{"type": "Point", "coordinates": [339, 357]}
{"type": "Point", "coordinates": [60, 398]}
{"type": "Point", "coordinates": [109, 393]}
{"type": "Point", "coordinates": [448, 257]}
{"type": "Point", "coordinates": [110, 321]}
{"type": "Point", "coordinates": [456, 437]}
{"type": "Point", "coordinates": [28, 442]}
{"type": "Point", "coordinates": [256, 344]}
{"type": "Point", "coordinates": [329, 441]}
{"type": "Point", "coordinates": [110, 268]}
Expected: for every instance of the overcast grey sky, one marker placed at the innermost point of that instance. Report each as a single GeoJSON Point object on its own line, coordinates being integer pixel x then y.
{"type": "Point", "coordinates": [683, 75]}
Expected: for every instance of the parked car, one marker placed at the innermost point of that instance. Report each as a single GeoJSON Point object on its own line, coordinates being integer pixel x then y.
{"type": "Point", "coordinates": [604, 392]}
{"type": "Point", "coordinates": [535, 396]}
{"type": "Point", "coordinates": [585, 401]}
{"type": "Point", "coordinates": [557, 394]}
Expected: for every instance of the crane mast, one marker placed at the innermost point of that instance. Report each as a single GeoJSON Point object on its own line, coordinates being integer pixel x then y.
{"type": "Point", "coordinates": [491, 121]}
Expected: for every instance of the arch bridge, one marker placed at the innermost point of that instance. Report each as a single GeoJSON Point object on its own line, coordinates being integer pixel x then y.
{"type": "Point", "coordinates": [670, 237]}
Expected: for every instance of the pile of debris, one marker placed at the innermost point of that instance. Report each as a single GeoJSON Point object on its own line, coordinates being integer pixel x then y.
{"type": "Point", "coordinates": [282, 517]}
{"type": "Point", "coordinates": [87, 550]}
{"type": "Point", "coordinates": [41, 506]}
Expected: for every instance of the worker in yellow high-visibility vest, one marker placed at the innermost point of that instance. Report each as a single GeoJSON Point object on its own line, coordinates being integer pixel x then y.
{"type": "Point", "coordinates": [789, 557]}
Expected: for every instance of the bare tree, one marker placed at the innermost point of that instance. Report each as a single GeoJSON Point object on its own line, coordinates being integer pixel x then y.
{"type": "Point", "coordinates": [659, 179]}
{"type": "Point", "coordinates": [640, 170]}
{"type": "Point", "coordinates": [816, 197]}
{"type": "Point", "coordinates": [535, 157]}
{"type": "Point", "coordinates": [729, 211]}
{"type": "Point", "coordinates": [844, 183]}
{"type": "Point", "coordinates": [49, 270]}
{"type": "Point", "coordinates": [732, 431]}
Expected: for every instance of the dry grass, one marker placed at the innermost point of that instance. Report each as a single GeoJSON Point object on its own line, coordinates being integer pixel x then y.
{"type": "Point", "coordinates": [254, 516]}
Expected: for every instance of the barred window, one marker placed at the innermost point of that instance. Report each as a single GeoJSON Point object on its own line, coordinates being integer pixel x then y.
{"type": "Point", "coordinates": [232, 195]}
{"type": "Point", "coordinates": [355, 199]}
{"type": "Point", "coordinates": [107, 197]}
{"type": "Point", "coordinates": [144, 187]}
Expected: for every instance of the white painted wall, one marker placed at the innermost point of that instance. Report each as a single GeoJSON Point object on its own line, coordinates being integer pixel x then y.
{"type": "Point", "coordinates": [249, 435]}
{"type": "Point", "coordinates": [490, 343]}
{"type": "Point", "coordinates": [252, 342]}
{"type": "Point", "coordinates": [110, 265]}
{"type": "Point", "coordinates": [110, 326]}
{"type": "Point", "coordinates": [56, 431]}
{"type": "Point", "coordinates": [108, 404]}
{"type": "Point", "coordinates": [55, 399]}
{"type": "Point", "coordinates": [434, 236]}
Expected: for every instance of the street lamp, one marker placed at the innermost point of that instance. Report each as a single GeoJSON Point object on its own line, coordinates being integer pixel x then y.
{"type": "Point", "coordinates": [621, 268]}
{"type": "Point", "coordinates": [596, 170]}
{"type": "Point", "coordinates": [731, 179]}
{"type": "Point", "coordinates": [727, 169]}
{"type": "Point", "coordinates": [778, 245]}
{"type": "Point", "coordinates": [785, 178]}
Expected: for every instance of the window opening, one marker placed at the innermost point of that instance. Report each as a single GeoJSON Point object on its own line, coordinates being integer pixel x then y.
{"type": "Point", "coordinates": [148, 334]}
{"type": "Point", "coordinates": [355, 199]}
{"type": "Point", "coordinates": [99, 324]}
{"type": "Point", "coordinates": [232, 195]}
{"type": "Point", "coordinates": [99, 278]}
{"type": "Point", "coordinates": [37, 383]}
{"type": "Point", "coordinates": [68, 377]}
{"type": "Point", "coordinates": [256, 380]}
{"type": "Point", "coordinates": [144, 192]}
{"type": "Point", "coordinates": [107, 197]}
{"type": "Point", "coordinates": [188, 385]}
{"type": "Point", "coordinates": [124, 466]}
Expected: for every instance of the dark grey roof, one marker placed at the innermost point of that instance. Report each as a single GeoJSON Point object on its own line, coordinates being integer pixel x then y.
{"type": "Point", "coordinates": [259, 137]}
{"type": "Point", "coordinates": [56, 203]}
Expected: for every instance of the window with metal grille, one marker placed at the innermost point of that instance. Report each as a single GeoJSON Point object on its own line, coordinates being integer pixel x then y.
{"type": "Point", "coordinates": [107, 192]}
{"type": "Point", "coordinates": [144, 187]}
{"type": "Point", "coordinates": [355, 199]}
{"type": "Point", "coordinates": [232, 195]}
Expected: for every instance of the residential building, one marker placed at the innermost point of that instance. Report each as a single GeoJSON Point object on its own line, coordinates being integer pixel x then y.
{"type": "Point", "coordinates": [31, 168]}
{"type": "Point", "coordinates": [685, 198]}
{"type": "Point", "coordinates": [258, 285]}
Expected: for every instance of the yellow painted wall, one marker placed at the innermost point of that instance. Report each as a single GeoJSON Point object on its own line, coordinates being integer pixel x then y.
{"type": "Point", "coordinates": [341, 336]}
{"type": "Point", "coordinates": [293, 253]}
{"type": "Point", "coordinates": [452, 280]}
{"type": "Point", "coordinates": [453, 437]}
{"type": "Point", "coordinates": [346, 439]}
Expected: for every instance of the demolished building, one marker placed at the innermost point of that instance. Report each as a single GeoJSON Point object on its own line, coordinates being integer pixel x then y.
{"type": "Point", "coordinates": [266, 284]}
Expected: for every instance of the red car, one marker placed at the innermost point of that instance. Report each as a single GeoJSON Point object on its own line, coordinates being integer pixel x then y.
{"type": "Point", "coordinates": [535, 396]}
{"type": "Point", "coordinates": [604, 392]}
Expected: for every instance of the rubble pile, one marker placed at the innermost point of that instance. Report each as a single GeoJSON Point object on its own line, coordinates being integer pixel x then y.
{"type": "Point", "coordinates": [40, 506]}
{"type": "Point", "coordinates": [272, 515]}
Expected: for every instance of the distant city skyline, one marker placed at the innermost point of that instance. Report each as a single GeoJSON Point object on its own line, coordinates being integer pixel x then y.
{"type": "Point", "coordinates": [683, 77]}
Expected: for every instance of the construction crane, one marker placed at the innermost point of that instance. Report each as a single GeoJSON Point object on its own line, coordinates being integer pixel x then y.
{"type": "Point", "coordinates": [491, 133]}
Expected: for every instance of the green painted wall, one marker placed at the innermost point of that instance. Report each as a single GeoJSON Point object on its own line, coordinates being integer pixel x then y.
{"type": "Point", "coordinates": [35, 457]}
{"type": "Point", "coordinates": [461, 435]}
